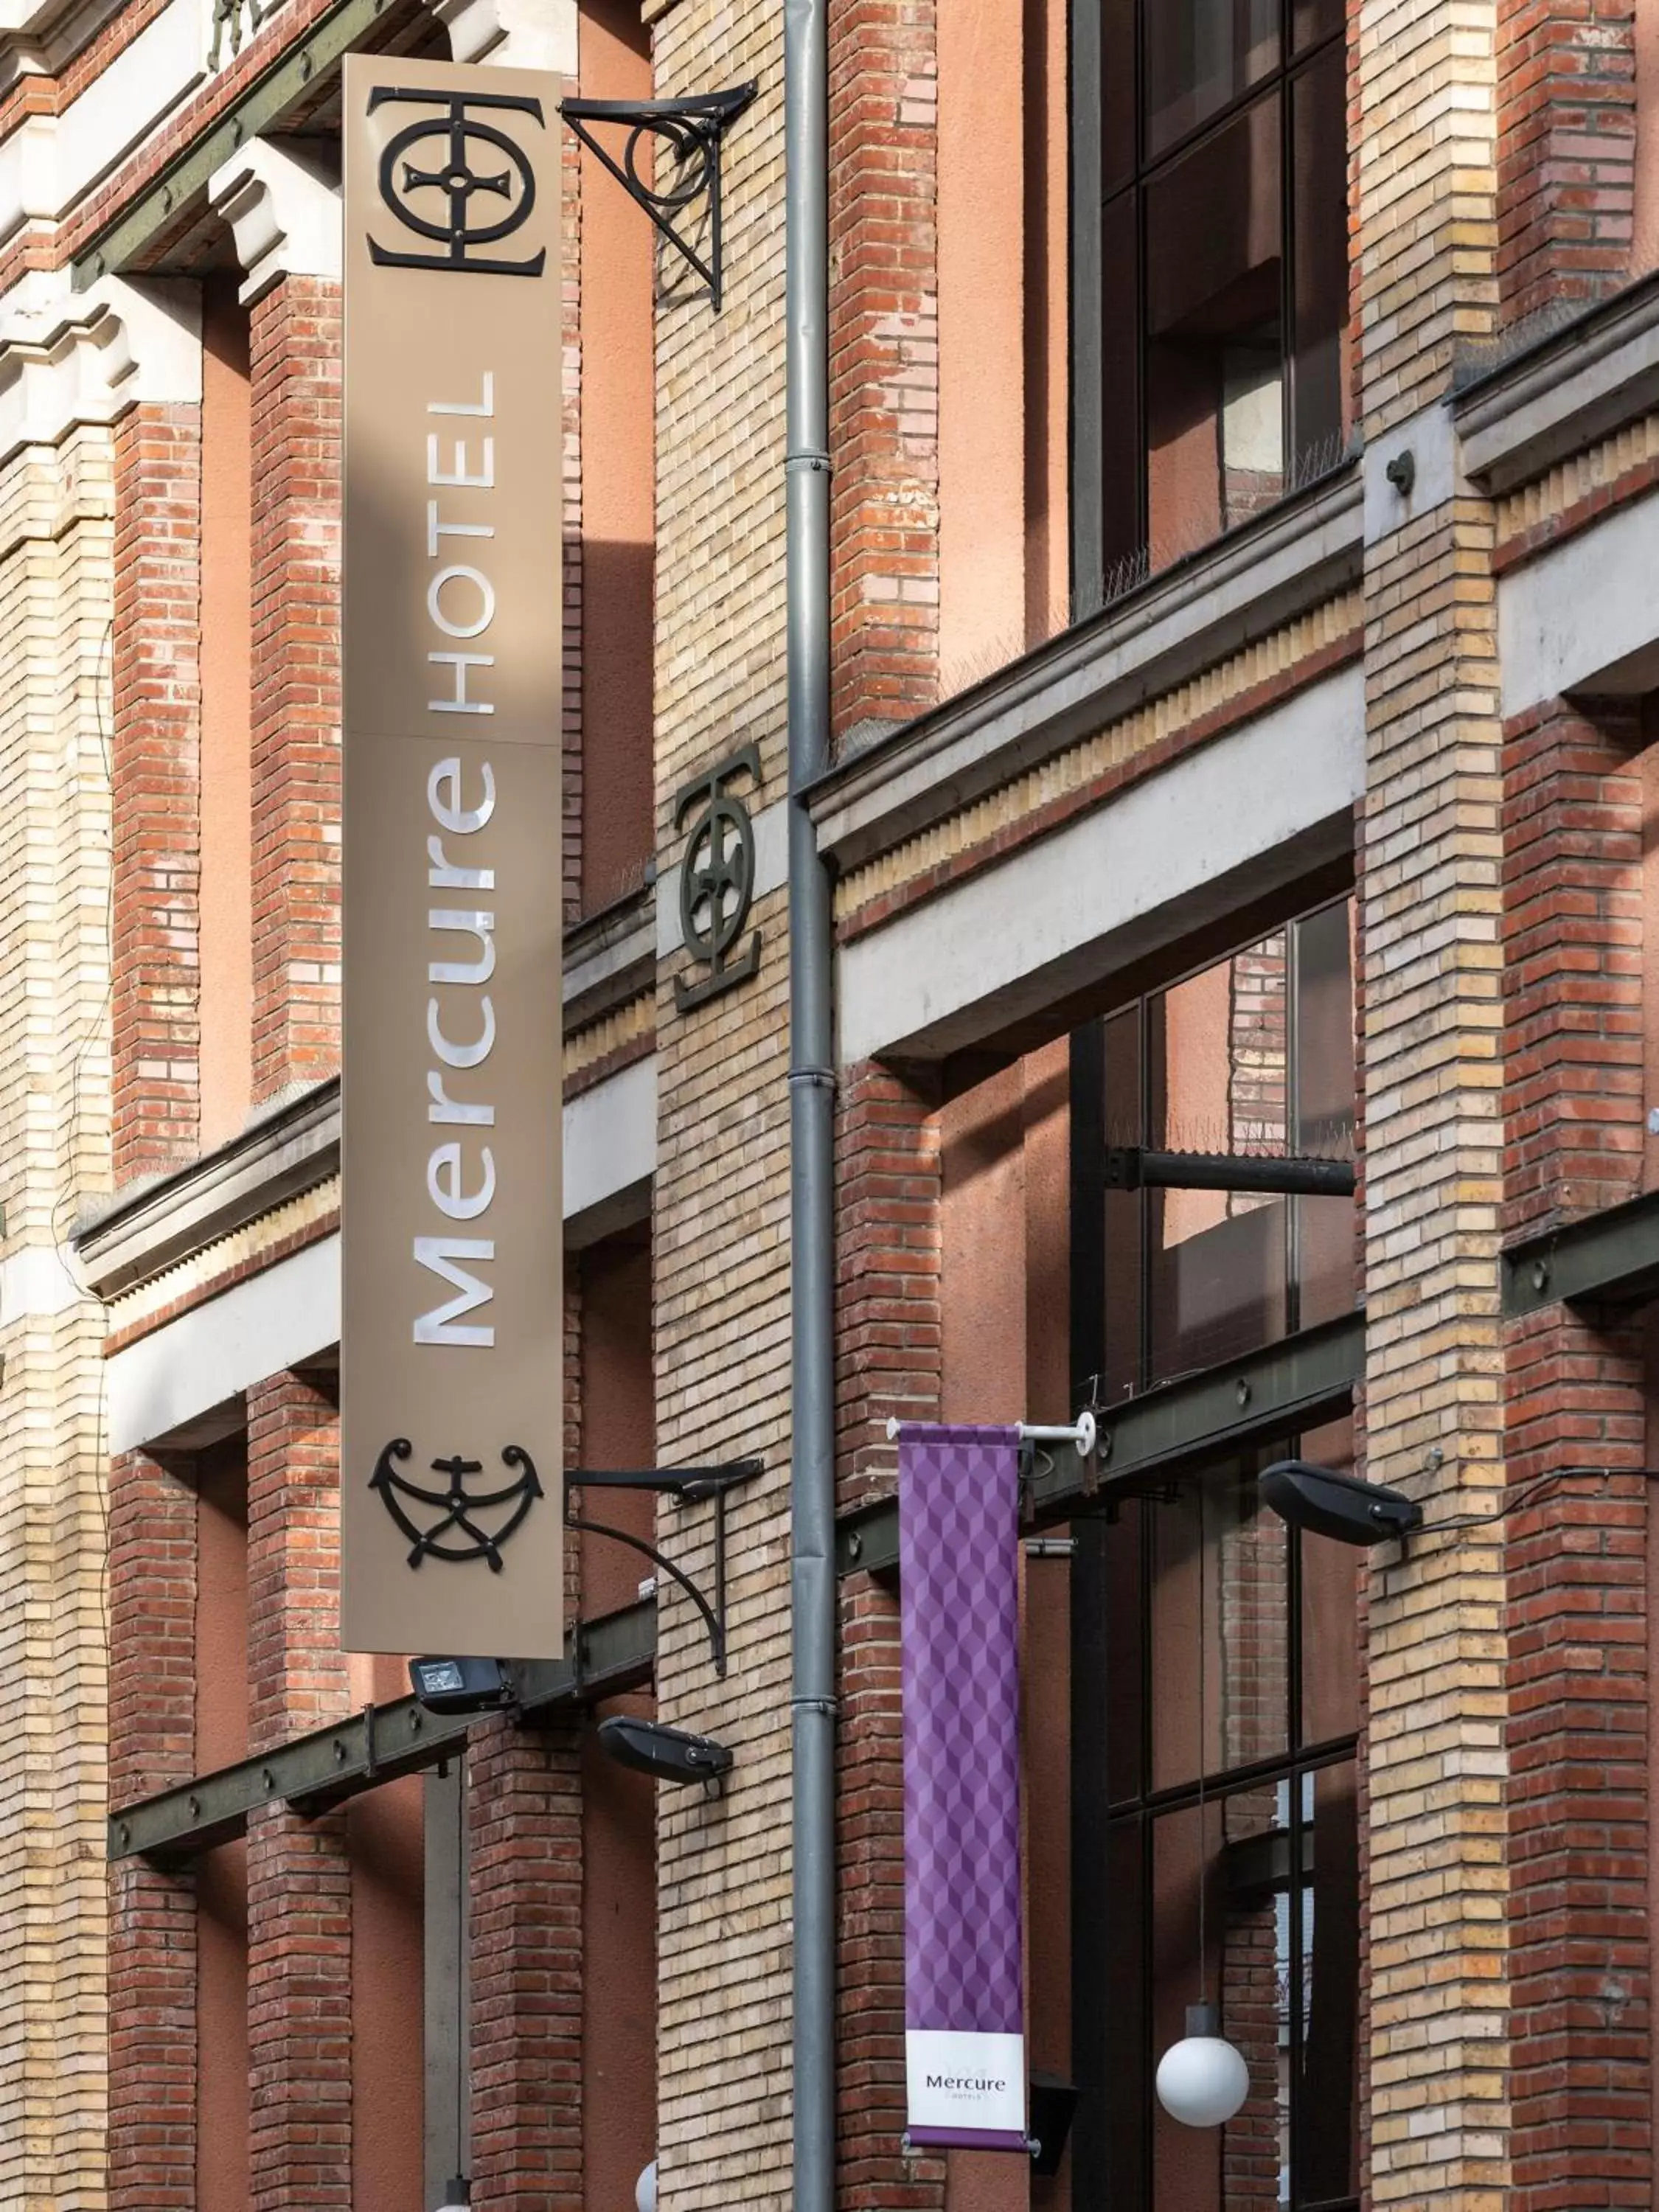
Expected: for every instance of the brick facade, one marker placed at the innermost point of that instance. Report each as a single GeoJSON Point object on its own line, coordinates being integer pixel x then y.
{"type": "Point", "coordinates": [295, 378]}
{"type": "Point", "coordinates": [1505, 2000]}
{"type": "Point", "coordinates": [152, 1933]}
{"type": "Point", "coordinates": [883, 359]}
{"type": "Point", "coordinates": [1566, 165]}
{"type": "Point", "coordinates": [155, 781]}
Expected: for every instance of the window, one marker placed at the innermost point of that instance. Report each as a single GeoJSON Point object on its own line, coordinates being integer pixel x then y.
{"type": "Point", "coordinates": [1251, 1054]}
{"type": "Point", "coordinates": [1210, 177]}
{"type": "Point", "coordinates": [1219, 1647]}
{"type": "Point", "coordinates": [1215, 1651]}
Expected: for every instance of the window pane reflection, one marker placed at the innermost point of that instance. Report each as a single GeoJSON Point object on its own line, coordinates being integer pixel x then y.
{"type": "Point", "coordinates": [1332, 1581]}
{"type": "Point", "coordinates": [1328, 1989]}
{"type": "Point", "coordinates": [1251, 1055]}
{"type": "Point", "coordinates": [1200, 54]}
{"type": "Point", "coordinates": [1219, 1528]}
{"type": "Point", "coordinates": [1219, 1048]}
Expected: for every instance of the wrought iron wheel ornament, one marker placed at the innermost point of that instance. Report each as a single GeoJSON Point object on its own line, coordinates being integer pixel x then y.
{"type": "Point", "coordinates": [455, 1504]}
{"type": "Point", "coordinates": [689, 129]}
{"type": "Point", "coordinates": [717, 879]}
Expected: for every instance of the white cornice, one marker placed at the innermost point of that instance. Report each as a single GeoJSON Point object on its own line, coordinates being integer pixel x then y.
{"type": "Point", "coordinates": [538, 34]}
{"type": "Point", "coordinates": [282, 204]}
{"type": "Point", "coordinates": [37, 39]}
{"type": "Point", "coordinates": [49, 163]}
{"type": "Point", "coordinates": [1568, 392]}
{"type": "Point", "coordinates": [68, 359]}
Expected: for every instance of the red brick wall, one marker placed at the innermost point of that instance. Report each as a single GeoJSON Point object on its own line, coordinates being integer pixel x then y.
{"type": "Point", "coordinates": [1572, 959]}
{"type": "Point", "coordinates": [299, 1878]}
{"type": "Point", "coordinates": [888, 1362]}
{"type": "Point", "coordinates": [156, 771]}
{"type": "Point", "coordinates": [1566, 167]}
{"type": "Point", "coordinates": [883, 359]}
{"type": "Point", "coordinates": [1576, 1559]}
{"type": "Point", "coordinates": [887, 1262]}
{"type": "Point", "coordinates": [152, 1736]}
{"type": "Point", "coordinates": [524, 1806]}
{"type": "Point", "coordinates": [296, 376]}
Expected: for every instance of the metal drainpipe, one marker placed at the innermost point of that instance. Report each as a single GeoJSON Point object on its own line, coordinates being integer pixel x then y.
{"type": "Point", "coordinates": [812, 1101]}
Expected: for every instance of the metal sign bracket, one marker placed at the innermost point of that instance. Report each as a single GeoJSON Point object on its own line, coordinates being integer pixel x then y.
{"type": "Point", "coordinates": [691, 128]}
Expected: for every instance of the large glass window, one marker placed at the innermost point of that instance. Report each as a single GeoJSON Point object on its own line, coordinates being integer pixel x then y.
{"type": "Point", "coordinates": [1219, 151]}
{"type": "Point", "coordinates": [1252, 1054]}
{"type": "Point", "coordinates": [1218, 1857]}
{"type": "Point", "coordinates": [1215, 1653]}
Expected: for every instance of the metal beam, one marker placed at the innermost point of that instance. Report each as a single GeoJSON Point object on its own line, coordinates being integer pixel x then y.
{"type": "Point", "coordinates": [1609, 1258]}
{"type": "Point", "coordinates": [313, 1772]}
{"type": "Point", "coordinates": [267, 100]}
{"type": "Point", "coordinates": [1280, 1391]}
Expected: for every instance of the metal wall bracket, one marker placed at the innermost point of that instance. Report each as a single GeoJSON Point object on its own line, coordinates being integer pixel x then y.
{"type": "Point", "coordinates": [688, 1484]}
{"type": "Point", "coordinates": [691, 128]}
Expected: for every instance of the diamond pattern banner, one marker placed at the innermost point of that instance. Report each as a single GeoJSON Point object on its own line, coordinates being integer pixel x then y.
{"type": "Point", "coordinates": [959, 1569]}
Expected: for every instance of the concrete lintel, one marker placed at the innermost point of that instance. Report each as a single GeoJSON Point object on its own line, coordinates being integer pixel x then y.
{"type": "Point", "coordinates": [1218, 828]}
{"type": "Point", "coordinates": [1245, 586]}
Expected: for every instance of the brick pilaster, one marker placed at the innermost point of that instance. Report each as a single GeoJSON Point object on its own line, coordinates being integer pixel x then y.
{"type": "Point", "coordinates": [295, 401]}
{"type": "Point", "coordinates": [524, 1802]}
{"type": "Point", "coordinates": [888, 1355]}
{"type": "Point", "coordinates": [1430, 895]}
{"type": "Point", "coordinates": [884, 358]}
{"type": "Point", "coordinates": [1580, 1961]}
{"type": "Point", "coordinates": [152, 1962]}
{"type": "Point", "coordinates": [1566, 165]}
{"type": "Point", "coordinates": [887, 1260]}
{"type": "Point", "coordinates": [299, 1878]}
{"type": "Point", "coordinates": [156, 774]}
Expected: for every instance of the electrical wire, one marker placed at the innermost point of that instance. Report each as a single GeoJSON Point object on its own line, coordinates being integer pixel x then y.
{"type": "Point", "coordinates": [1516, 1496]}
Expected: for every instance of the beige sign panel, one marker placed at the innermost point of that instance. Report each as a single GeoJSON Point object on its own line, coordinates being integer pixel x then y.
{"type": "Point", "coordinates": [451, 1383]}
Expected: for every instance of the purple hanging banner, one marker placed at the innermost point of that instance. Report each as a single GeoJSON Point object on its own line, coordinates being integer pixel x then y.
{"type": "Point", "coordinates": [964, 2015]}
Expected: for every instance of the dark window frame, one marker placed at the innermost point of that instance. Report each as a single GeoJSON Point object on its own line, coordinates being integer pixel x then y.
{"type": "Point", "coordinates": [1113, 2136]}
{"type": "Point", "coordinates": [1090, 565]}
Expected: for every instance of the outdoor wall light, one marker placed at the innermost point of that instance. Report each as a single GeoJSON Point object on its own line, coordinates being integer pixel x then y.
{"type": "Point", "coordinates": [1202, 2080]}
{"type": "Point", "coordinates": [669, 1754]}
{"type": "Point", "coordinates": [1337, 1505]}
{"type": "Point", "coordinates": [457, 1685]}
{"type": "Point", "coordinates": [457, 2195]}
{"type": "Point", "coordinates": [645, 2190]}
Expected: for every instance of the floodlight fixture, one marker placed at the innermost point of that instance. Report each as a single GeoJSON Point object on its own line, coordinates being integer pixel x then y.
{"type": "Point", "coordinates": [670, 1754]}
{"type": "Point", "coordinates": [1340, 1506]}
{"type": "Point", "coordinates": [459, 1686]}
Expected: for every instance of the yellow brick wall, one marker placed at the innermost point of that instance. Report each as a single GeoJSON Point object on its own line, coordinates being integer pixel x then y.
{"type": "Point", "coordinates": [1429, 902]}
{"type": "Point", "coordinates": [720, 1219]}
{"type": "Point", "coordinates": [55, 602]}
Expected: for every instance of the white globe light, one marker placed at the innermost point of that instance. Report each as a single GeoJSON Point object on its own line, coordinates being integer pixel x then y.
{"type": "Point", "coordinates": [645, 2190]}
{"type": "Point", "coordinates": [1202, 2081]}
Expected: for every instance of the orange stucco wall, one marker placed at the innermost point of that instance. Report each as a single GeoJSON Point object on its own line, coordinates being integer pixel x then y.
{"type": "Point", "coordinates": [387, 1934]}
{"type": "Point", "coordinates": [1004, 557]}
{"type": "Point", "coordinates": [618, 495]}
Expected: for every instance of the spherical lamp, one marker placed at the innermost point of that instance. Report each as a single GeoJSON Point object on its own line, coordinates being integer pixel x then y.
{"type": "Point", "coordinates": [645, 2190]}
{"type": "Point", "coordinates": [1202, 2080]}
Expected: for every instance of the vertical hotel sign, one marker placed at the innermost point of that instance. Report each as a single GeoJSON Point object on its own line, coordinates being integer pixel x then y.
{"type": "Point", "coordinates": [451, 1387]}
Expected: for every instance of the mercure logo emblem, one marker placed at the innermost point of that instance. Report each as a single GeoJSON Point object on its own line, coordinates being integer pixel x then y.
{"type": "Point", "coordinates": [430, 180]}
